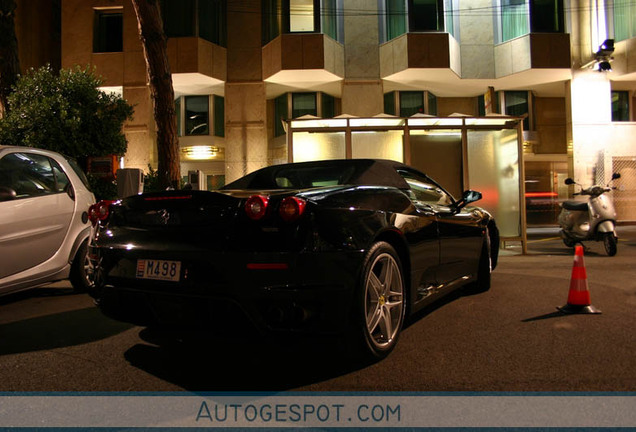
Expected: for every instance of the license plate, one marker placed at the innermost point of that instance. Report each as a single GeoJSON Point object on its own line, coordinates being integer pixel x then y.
{"type": "Point", "coordinates": [159, 270]}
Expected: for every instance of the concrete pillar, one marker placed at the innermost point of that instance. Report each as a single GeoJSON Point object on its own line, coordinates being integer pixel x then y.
{"type": "Point", "coordinates": [362, 92]}
{"type": "Point", "coordinates": [141, 130]}
{"type": "Point", "coordinates": [477, 38]}
{"type": "Point", "coordinates": [245, 103]}
{"type": "Point", "coordinates": [245, 129]}
{"type": "Point", "coordinates": [589, 123]}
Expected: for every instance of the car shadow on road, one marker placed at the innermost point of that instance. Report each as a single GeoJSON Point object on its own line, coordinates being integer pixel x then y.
{"type": "Point", "coordinates": [251, 364]}
{"type": "Point", "coordinates": [36, 292]}
{"type": "Point", "coordinates": [241, 364]}
{"type": "Point", "coordinates": [58, 330]}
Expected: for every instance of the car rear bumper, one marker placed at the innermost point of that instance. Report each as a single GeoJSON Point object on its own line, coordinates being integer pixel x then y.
{"type": "Point", "coordinates": [267, 293]}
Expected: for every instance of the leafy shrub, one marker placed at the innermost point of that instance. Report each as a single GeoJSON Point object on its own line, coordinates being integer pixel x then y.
{"type": "Point", "coordinates": [67, 113]}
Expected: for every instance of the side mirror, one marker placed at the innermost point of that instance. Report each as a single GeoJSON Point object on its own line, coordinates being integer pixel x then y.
{"type": "Point", "coordinates": [569, 181]}
{"type": "Point", "coordinates": [468, 197]}
{"type": "Point", "coordinates": [7, 194]}
{"type": "Point", "coordinates": [616, 176]}
{"type": "Point", "coordinates": [471, 196]}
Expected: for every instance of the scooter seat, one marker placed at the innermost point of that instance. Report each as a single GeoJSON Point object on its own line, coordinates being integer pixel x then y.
{"type": "Point", "coordinates": [575, 205]}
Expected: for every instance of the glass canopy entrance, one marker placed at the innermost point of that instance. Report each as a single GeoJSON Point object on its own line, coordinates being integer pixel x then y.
{"type": "Point", "coordinates": [461, 152]}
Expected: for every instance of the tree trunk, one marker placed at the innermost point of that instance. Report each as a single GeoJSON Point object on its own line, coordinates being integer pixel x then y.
{"type": "Point", "coordinates": [9, 61]}
{"type": "Point", "coordinates": [154, 45]}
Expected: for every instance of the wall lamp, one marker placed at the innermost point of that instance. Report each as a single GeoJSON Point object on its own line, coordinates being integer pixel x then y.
{"type": "Point", "coordinates": [200, 152]}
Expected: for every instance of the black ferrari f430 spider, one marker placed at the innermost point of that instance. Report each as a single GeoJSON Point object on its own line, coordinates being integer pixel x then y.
{"type": "Point", "coordinates": [339, 247]}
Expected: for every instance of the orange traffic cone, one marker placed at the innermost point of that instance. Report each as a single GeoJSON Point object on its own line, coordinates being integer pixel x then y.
{"type": "Point", "coordinates": [579, 295]}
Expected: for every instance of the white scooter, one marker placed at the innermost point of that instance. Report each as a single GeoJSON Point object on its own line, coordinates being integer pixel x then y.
{"type": "Point", "coordinates": [591, 220]}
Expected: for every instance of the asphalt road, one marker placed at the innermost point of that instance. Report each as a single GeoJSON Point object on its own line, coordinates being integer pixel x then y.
{"type": "Point", "coordinates": [511, 338]}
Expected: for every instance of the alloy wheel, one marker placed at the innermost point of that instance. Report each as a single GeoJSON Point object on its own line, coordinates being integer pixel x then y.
{"type": "Point", "coordinates": [384, 302]}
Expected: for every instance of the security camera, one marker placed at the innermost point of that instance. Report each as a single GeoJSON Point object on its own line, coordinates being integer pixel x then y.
{"type": "Point", "coordinates": [606, 48]}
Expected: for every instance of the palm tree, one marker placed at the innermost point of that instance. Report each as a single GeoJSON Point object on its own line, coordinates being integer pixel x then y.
{"type": "Point", "coordinates": [154, 44]}
{"type": "Point", "coordinates": [9, 61]}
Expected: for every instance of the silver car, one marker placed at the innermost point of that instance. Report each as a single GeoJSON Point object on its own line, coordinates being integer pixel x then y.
{"type": "Point", "coordinates": [44, 225]}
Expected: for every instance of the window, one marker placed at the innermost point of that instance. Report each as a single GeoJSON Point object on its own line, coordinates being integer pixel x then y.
{"type": "Point", "coordinates": [212, 21]}
{"type": "Point", "coordinates": [203, 18]}
{"type": "Point", "coordinates": [451, 18]}
{"type": "Point", "coordinates": [31, 175]}
{"type": "Point", "coordinates": [395, 12]}
{"type": "Point", "coordinates": [425, 15]}
{"type": "Point", "coordinates": [193, 114]}
{"type": "Point", "coordinates": [177, 113]}
{"type": "Point", "coordinates": [411, 103]}
{"type": "Point", "coordinates": [219, 116]}
{"type": "Point", "coordinates": [546, 16]}
{"type": "Point", "coordinates": [517, 104]}
{"type": "Point", "coordinates": [197, 115]}
{"type": "Point", "coordinates": [620, 106]}
{"type": "Point", "coordinates": [432, 103]}
{"type": "Point", "coordinates": [514, 19]}
{"type": "Point", "coordinates": [623, 20]}
{"type": "Point", "coordinates": [78, 171]}
{"type": "Point", "coordinates": [304, 104]}
{"type": "Point", "coordinates": [330, 19]}
{"type": "Point", "coordinates": [302, 16]}
{"type": "Point", "coordinates": [108, 31]}
{"type": "Point", "coordinates": [520, 17]}
{"type": "Point", "coordinates": [328, 105]}
{"type": "Point", "coordinates": [281, 112]}
{"type": "Point", "coordinates": [272, 20]}
{"type": "Point", "coordinates": [61, 180]}
{"type": "Point", "coordinates": [424, 190]}
{"type": "Point", "coordinates": [178, 18]}
{"type": "Point", "coordinates": [399, 16]}
{"type": "Point", "coordinates": [389, 103]}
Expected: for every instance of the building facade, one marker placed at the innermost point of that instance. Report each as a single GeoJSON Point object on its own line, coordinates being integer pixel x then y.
{"type": "Point", "coordinates": [240, 68]}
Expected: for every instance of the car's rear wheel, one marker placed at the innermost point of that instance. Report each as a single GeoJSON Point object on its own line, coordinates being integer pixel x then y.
{"type": "Point", "coordinates": [380, 302]}
{"type": "Point", "coordinates": [82, 271]}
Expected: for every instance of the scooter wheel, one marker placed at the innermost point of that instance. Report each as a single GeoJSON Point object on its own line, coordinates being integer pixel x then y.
{"type": "Point", "coordinates": [610, 242]}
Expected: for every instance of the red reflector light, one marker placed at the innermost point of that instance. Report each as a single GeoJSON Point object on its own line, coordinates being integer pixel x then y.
{"type": "Point", "coordinates": [291, 208]}
{"type": "Point", "coordinates": [99, 211]}
{"type": "Point", "coordinates": [267, 266]}
{"type": "Point", "coordinates": [256, 206]}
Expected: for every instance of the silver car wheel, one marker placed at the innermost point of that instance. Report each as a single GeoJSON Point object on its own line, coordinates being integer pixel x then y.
{"type": "Point", "coordinates": [384, 302]}
{"type": "Point", "coordinates": [89, 272]}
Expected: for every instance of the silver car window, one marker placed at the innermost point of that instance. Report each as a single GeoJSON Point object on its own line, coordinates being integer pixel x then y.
{"type": "Point", "coordinates": [28, 174]}
{"type": "Point", "coordinates": [61, 179]}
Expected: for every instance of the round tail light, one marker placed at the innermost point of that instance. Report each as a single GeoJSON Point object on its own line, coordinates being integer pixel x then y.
{"type": "Point", "coordinates": [99, 211]}
{"type": "Point", "coordinates": [256, 206]}
{"type": "Point", "coordinates": [291, 208]}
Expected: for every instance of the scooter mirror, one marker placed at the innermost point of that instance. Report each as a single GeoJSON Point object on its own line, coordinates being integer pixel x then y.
{"type": "Point", "coordinates": [616, 176]}
{"type": "Point", "coordinates": [569, 181]}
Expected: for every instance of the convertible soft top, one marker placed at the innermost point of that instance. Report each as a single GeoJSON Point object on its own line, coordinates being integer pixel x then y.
{"type": "Point", "coordinates": [355, 172]}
